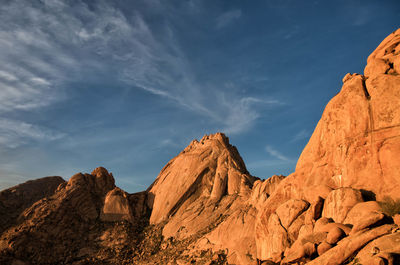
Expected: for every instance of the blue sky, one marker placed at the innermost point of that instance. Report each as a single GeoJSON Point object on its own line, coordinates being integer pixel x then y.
{"type": "Point", "coordinates": [128, 84]}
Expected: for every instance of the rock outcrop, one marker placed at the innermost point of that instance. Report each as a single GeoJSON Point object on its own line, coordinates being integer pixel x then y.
{"type": "Point", "coordinates": [116, 206]}
{"type": "Point", "coordinates": [356, 143]}
{"type": "Point", "coordinates": [205, 207]}
{"type": "Point", "coordinates": [353, 152]}
{"type": "Point", "coordinates": [15, 200]}
{"type": "Point", "coordinates": [66, 225]}
{"type": "Point", "coordinates": [205, 187]}
{"type": "Point", "coordinates": [207, 169]}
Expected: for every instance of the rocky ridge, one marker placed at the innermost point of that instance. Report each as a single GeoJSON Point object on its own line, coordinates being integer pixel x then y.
{"type": "Point", "coordinates": [205, 208]}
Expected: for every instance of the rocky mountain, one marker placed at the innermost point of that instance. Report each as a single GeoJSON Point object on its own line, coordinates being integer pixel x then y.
{"type": "Point", "coordinates": [15, 200]}
{"type": "Point", "coordinates": [340, 206]}
{"type": "Point", "coordinates": [352, 157]}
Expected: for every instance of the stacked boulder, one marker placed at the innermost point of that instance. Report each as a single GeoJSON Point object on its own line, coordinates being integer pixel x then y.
{"type": "Point", "coordinates": [327, 230]}
{"type": "Point", "coordinates": [350, 162]}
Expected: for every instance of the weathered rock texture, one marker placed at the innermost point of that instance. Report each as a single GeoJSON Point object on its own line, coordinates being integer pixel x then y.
{"type": "Point", "coordinates": [205, 208]}
{"type": "Point", "coordinates": [353, 151]}
{"type": "Point", "coordinates": [356, 143]}
{"type": "Point", "coordinates": [66, 225]}
{"type": "Point", "coordinates": [15, 200]}
{"type": "Point", "coordinates": [207, 185]}
{"type": "Point", "coordinates": [207, 169]}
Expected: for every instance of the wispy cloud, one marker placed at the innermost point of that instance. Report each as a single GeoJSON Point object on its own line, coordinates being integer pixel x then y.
{"type": "Point", "coordinates": [169, 143]}
{"type": "Point", "coordinates": [271, 151]}
{"type": "Point", "coordinates": [303, 134]}
{"type": "Point", "coordinates": [227, 18]}
{"type": "Point", "coordinates": [163, 70]}
{"type": "Point", "coordinates": [46, 45]}
{"type": "Point", "coordinates": [15, 133]}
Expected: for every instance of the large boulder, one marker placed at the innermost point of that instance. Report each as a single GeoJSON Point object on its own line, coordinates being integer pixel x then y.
{"type": "Point", "coordinates": [386, 244]}
{"type": "Point", "coordinates": [348, 246]}
{"type": "Point", "coordinates": [277, 240]}
{"type": "Point", "coordinates": [290, 210]}
{"type": "Point", "coordinates": [334, 235]}
{"type": "Point", "coordinates": [205, 192]}
{"type": "Point", "coordinates": [364, 214]}
{"type": "Point", "coordinates": [313, 193]}
{"type": "Point", "coordinates": [116, 206]}
{"type": "Point", "coordinates": [339, 202]}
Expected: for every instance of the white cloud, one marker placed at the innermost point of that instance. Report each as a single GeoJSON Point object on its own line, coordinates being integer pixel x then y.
{"type": "Point", "coordinates": [40, 81]}
{"type": "Point", "coordinates": [163, 70]}
{"type": "Point", "coordinates": [45, 47]}
{"type": "Point", "coordinates": [227, 18]}
{"type": "Point", "coordinates": [15, 133]}
{"type": "Point", "coordinates": [270, 150]}
{"type": "Point", "coordinates": [7, 76]}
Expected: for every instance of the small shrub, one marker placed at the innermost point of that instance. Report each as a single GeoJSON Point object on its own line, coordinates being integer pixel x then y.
{"type": "Point", "coordinates": [390, 207]}
{"type": "Point", "coordinates": [355, 262]}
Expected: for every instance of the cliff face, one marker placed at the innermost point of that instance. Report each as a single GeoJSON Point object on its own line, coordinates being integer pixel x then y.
{"type": "Point", "coordinates": [205, 207]}
{"type": "Point", "coordinates": [356, 145]}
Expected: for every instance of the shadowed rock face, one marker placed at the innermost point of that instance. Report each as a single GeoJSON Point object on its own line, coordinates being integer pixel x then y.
{"type": "Point", "coordinates": [15, 200]}
{"type": "Point", "coordinates": [66, 221]}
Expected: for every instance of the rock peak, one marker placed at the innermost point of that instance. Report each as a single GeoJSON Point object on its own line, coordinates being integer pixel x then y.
{"type": "Point", "coordinates": [207, 169]}
{"type": "Point", "coordinates": [100, 181]}
{"type": "Point", "coordinates": [100, 172]}
{"type": "Point", "coordinates": [218, 138]}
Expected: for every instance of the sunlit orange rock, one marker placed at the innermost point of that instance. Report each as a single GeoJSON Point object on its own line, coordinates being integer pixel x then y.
{"type": "Point", "coordinates": [209, 168]}
{"type": "Point", "coordinates": [355, 144]}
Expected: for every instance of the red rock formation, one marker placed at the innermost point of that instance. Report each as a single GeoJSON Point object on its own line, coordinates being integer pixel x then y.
{"type": "Point", "coordinates": [15, 200]}
{"type": "Point", "coordinates": [205, 207]}
{"type": "Point", "coordinates": [64, 222]}
{"type": "Point", "coordinates": [206, 187]}
{"type": "Point", "coordinates": [208, 169]}
{"type": "Point", "coordinates": [355, 144]}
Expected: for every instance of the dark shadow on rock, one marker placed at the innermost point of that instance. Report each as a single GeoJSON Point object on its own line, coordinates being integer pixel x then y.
{"type": "Point", "coordinates": [368, 195]}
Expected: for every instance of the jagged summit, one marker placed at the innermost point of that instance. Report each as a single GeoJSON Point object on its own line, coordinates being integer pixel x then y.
{"type": "Point", "coordinates": [205, 208]}
{"type": "Point", "coordinates": [208, 139]}
{"type": "Point", "coordinates": [209, 168]}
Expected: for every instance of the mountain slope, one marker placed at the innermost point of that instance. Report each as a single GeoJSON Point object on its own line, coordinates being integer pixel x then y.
{"type": "Point", "coordinates": [205, 207]}
{"type": "Point", "coordinates": [15, 200]}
